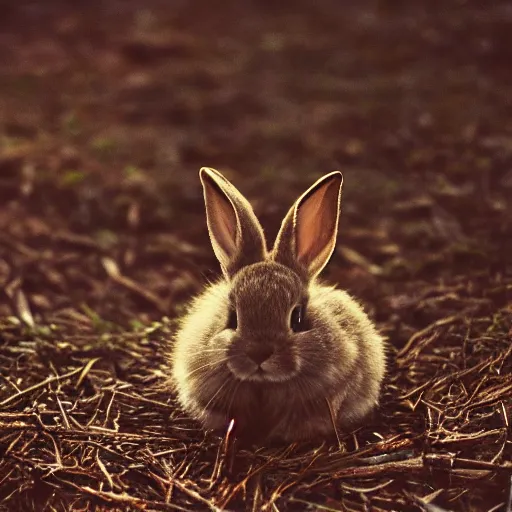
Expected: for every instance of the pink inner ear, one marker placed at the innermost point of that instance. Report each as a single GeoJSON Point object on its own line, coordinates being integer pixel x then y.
{"type": "Point", "coordinates": [316, 225]}
{"type": "Point", "coordinates": [223, 223]}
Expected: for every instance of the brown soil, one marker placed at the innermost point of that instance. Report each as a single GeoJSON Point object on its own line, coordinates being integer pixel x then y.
{"type": "Point", "coordinates": [107, 111]}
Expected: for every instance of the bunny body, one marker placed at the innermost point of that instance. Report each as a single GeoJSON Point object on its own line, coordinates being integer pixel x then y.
{"type": "Point", "coordinates": [269, 346]}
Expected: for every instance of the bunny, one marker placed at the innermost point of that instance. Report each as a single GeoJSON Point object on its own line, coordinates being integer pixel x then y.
{"type": "Point", "coordinates": [284, 356]}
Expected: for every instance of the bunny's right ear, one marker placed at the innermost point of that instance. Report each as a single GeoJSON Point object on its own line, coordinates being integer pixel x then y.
{"type": "Point", "coordinates": [235, 233]}
{"type": "Point", "coordinates": [307, 236]}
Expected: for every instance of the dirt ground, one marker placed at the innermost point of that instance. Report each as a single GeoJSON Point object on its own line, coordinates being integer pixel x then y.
{"type": "Point", "coordinates": [107, 111]}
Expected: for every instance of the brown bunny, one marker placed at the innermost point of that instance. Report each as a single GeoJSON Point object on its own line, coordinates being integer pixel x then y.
{"type": "Point", "coordinates": [284, 356]}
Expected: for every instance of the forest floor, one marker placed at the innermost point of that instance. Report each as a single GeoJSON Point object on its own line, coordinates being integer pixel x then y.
{"type": "Point", "coordinates": [107, 112]}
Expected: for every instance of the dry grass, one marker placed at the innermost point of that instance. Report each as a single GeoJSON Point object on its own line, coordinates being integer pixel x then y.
{"type": "Point", "coordinates": [106, 116]}
{"type": "Point", "coordinates": [84, 423]}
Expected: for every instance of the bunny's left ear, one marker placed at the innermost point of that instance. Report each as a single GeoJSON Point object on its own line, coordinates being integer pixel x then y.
{"type": "Point", "coordinates": [236, 235]}
{"type": "Point", "coordinates": [308, 233]}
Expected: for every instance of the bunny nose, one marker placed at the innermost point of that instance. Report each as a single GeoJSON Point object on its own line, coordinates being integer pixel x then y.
{"type": "Point", "coordinates": [259, 353]}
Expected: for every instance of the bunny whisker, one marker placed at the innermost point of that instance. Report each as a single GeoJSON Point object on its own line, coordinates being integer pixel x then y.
{"type": "Point", "coordinates": [235, 389]}
{"type": "Point", "coordinates": [208, 351]}
{"type": "Point", "coordinates": [211, 364]}
{"type": "Point", "coordinates": [216, 394]}
{"type": "Point", "coordinates": [305, 397]}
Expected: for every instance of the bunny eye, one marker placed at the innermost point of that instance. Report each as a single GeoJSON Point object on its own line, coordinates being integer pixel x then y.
{"type": "Point", "coordinates": [232, 320]}
{"type": "Point", "coordinates": [297, 319]}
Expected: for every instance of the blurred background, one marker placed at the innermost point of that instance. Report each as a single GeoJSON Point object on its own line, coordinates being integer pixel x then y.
{"type": "Point", "coordinates": [109, 108]}
{"type": "Point", "coordinates": [107, 111]}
